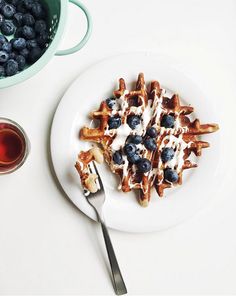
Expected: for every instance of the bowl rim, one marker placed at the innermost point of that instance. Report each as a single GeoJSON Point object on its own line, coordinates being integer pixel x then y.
{"type": "Point", "coordinates": [45, 58]}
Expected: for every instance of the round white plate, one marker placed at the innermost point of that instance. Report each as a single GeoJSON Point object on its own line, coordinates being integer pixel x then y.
{"type": "Point", "coordinates": [122, 210]}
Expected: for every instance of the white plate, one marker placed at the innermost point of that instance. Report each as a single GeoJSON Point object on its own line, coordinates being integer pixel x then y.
{"type": "Point", "coordinates": [122, 211]}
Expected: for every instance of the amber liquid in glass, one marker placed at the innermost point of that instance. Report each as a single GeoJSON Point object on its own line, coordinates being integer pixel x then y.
{"type": "Point", "coordinates": [12, 147]}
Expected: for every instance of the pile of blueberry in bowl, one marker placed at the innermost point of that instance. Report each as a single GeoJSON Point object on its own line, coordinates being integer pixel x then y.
{"type": "Point", "coordinates": [24, 34]}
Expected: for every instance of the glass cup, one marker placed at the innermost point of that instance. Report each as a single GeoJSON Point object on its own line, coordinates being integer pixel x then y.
{"type": "Point", "coordinates": [14, 146]}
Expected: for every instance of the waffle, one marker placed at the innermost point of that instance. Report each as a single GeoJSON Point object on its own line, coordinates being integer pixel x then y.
{"type": "Point", "coordinates": [88, 179]}
{"type": "Point", "coordinates": [150, 105]}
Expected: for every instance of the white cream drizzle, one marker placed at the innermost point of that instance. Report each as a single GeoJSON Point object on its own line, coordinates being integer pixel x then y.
{"type": "Point", "coordinates": [157, 106]}
{"type": "Point", "coordinates": [85, 170]}
{"type": "Point", "coordinates": [82, 166]}
{"type": "Point", "coordinates": [124, 167]}
{"type": "Point", "coordinates": [147, 115]}
{"type": "Point", "coordinates": [121, 135]}
{"type": "Point", "coordinates": [136, 110]}
{"type": "Point", "coordinates": [121, 105]}
{"type": "Point", "coordinates": [177, 143]}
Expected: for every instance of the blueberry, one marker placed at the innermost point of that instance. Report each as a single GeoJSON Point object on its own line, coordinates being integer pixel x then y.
{"type": "Point", "coordinates": [8, 10]}
{"type": "Point", "coordinates": [152, 132]}
{"type": "Point", "coordinates": [28, 19]}
{"type": "Point", "coordinates": [110, 102]}
{"type": "Point", "coordinates": [133, 121]}
{"type": "Point", "coordinates": [4, 56]}
{"type": "Point", "coordinates": [19, 43]}
{"type": "Point", "coordinates": [2, 2]}
{"type": "Point", "coordinates": [18, 19]}
{"type": "Point", "coordinates": [1, 19]}
{"type": "Point", "coordinates": [13, 55]}
{"type": "Point", "coordinates": [40, 26]}
{"type": "Point", "coordinates": [170, 175]}
{"type": "Point", "coordinates": [144, 165]}
{"type": "Point", "coordinates": [3, 40]}
{"type": "Point", "coordinates": [117, 157]}
{"type": "Point", "coordinates": [168, 121]}
{"type": "Point", "coordinates": [2, 71]}
{"type": "Point", "coordinates": [20, 7]}
{"type": "Point", "coordinates": [134, 158]}
{"type": "Point", "coordinates": [28, 32]}
{"type": "Point", "coordinates": [130, 149]}
{"type": "Point", "coordinates": [28, 4]}
{"type": "Point", "coordinates": [25, 52]}
{"type": "Point", "coordinates": [42, 39]}
{"type": "Point", "coordinates": [150, 144]}
{"type": "Point", "coordinates": [167, 154]}
{"type": "Point", "coordinates": [135, 139]}
{"type": "Point", "coordinates": [7, 47]}
{"type": "Point", "coordinates": [21, 62]}
{"type": "Point", "coordinates": [11, 67]}
{"type": "Point", "coordinates": [37, 10]}
{"type": "Point", "coordinates": [34, 54]}
{"type": "Point", "coordinates": [31, 44]}
{"type": "Point", "coordinates": [8, 28]}
{"type": "Point", "coordinates": [13, 2]}
{"type": "Point", "coordinates": [18, 32]}
{"type": "Point", "coordinates": [113, 122]}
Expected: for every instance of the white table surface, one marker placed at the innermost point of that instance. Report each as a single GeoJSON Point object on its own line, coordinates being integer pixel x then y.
{"type": "Point", "coordinates": [47, 246]}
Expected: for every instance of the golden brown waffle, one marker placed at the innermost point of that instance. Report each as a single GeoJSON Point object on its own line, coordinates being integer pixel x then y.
{"type": "Point", "coordinates": [150, 105]}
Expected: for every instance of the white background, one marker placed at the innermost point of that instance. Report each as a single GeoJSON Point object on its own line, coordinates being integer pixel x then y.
{"type": "Point", "coordinates": [47, 246]}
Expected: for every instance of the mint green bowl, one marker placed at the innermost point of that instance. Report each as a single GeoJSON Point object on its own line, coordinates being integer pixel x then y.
{"type": "Point", "coordinates": [57, 15]}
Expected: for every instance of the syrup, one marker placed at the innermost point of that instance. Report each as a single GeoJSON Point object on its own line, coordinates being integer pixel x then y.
{"type": "Point", "coordinates": [12, 147]}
